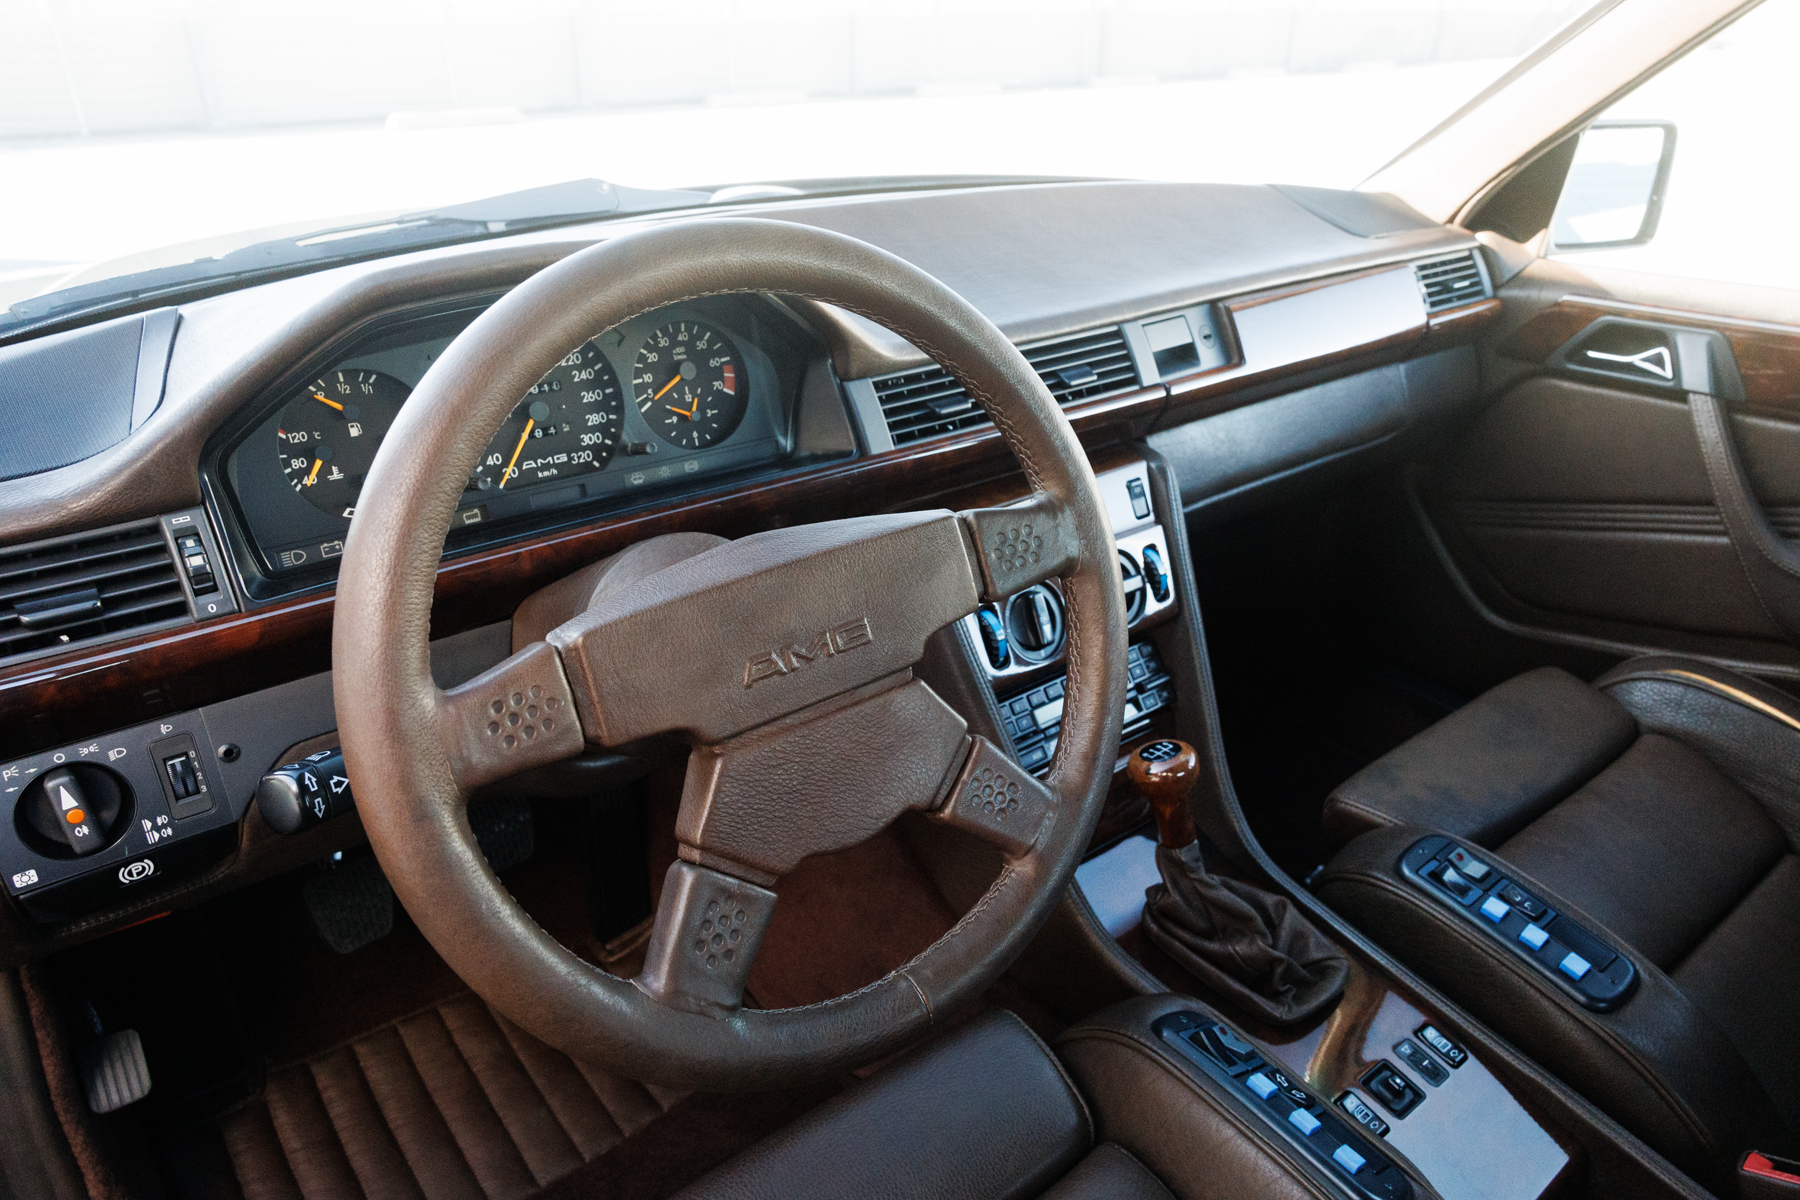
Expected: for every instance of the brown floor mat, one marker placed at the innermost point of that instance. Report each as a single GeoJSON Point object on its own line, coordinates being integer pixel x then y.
{"type": "Point", "coordinates": [452, 1103]}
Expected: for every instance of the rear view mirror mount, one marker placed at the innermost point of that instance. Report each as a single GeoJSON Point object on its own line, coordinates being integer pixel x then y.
{"type": "Point", "coordinates": [1613, 195]}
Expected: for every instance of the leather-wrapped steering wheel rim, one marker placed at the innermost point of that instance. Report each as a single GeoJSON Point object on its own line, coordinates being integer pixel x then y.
{"type": "Point", "coordinates": [412, 778]}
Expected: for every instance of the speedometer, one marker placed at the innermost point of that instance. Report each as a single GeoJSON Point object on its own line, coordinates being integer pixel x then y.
{"type": "Point", "coordinates": [330, 432]}
{"type": "Point", "coordinates": [568, 424]}
{"type": "Point", "coordinates": [690, 385]}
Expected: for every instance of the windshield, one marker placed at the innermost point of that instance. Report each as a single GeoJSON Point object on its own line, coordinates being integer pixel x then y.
{"type": "Point", "coordinates": [151, 147]}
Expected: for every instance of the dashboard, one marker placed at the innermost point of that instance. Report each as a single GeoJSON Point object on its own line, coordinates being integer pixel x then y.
{"type": "Point", "coordinates": [675, 398]}
{"type": "Point", "coordinates": [166, 597]}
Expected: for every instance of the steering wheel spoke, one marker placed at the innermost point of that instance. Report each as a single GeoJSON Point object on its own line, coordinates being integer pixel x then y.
{"type": "Point", "coordinates": [997, 800]}
{"type": "Point", "coordinates": [708, 928]}
{"type": "Point", "coordinates": [1022, 544]}
{"type": "Point", "coordinates": [514, 716]}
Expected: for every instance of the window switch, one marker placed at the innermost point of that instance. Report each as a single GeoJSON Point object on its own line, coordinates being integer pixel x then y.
{"type": "Point", "coordinates": [1468, 864]}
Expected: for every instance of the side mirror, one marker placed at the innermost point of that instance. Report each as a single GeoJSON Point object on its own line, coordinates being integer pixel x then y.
{"type": "Point", "coordinates": [1613, 195]}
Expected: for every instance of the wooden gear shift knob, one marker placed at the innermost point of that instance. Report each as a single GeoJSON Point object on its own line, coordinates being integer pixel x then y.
{"type": "Point", "coordinates": [1165, 770]}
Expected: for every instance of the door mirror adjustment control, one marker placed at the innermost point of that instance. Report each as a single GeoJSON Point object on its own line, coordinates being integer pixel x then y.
{"type": "Point", "coordinates": [1392, 1090]}
{"type": "Point", "coordinates": [296, 796]}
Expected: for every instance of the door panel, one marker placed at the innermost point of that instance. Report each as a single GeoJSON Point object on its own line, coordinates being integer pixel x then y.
{"type": "Point", "coordinates": [1579, 506]}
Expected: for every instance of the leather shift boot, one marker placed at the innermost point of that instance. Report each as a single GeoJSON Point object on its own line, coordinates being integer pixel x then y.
{"type": "Point", "coordinates": [1251, 946]}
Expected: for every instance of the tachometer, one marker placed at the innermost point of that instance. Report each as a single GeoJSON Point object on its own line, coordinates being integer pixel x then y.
{"type": "Point", "coordinates": [330, 432]}
{"type": "Point", "coordinates": [568, 424]}
{"type": "Point", "coordinates": [690, 385]}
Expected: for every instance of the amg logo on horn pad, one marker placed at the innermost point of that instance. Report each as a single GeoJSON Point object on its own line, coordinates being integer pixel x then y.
{"type": "Point", "coordinates": [785, 660]}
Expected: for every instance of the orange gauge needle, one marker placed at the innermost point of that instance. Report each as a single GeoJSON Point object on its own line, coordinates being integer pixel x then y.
{"type": "Point", "coordinates": [507, 474]}
{"type": "Point", "coordinates": [666, 387]}
{"type": "Point", "coordinates": [314, 473]}
{"type": "Point", "coordinates": [323, 400]}
{"type": "Point", "coordinates": [686, 412]}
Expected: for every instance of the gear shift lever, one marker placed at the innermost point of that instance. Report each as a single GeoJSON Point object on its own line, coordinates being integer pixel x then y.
{"type": "Point", "coordinates": [1165, 771]}
{"type": "Point", "coordinates": [1252, 946]}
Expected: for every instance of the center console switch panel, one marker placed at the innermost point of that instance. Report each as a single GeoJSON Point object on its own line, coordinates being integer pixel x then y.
{"type": "Point", "coordinates": [1300, 1118]}
{"type": "Point", "coordinates": [1598, 976]}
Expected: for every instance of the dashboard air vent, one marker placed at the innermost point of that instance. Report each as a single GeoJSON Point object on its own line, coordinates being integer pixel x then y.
{"type": "Point", "coordinates": [72, 590]}
{"type": "Point", "coordinates": [1453, 281]}
{"type": "Point", "coordinates": [1085, 366]}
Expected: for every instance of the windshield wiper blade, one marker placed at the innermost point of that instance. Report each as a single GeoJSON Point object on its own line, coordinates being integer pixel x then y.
{"type": "Point", "coordinates": [512, 212]}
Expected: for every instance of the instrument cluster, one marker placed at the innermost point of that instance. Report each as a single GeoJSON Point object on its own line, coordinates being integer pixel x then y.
{"type": "Point", "coordinates": [662, 402]}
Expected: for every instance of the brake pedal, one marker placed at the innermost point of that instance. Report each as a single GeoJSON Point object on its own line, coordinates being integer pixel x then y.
{"type": "Point", "coordinates": [351, 904]}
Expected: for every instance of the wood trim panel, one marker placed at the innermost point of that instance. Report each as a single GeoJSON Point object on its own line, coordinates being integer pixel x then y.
{"type": "Point", "coordinates": [46, 701]}
{"type": "Point", "coordinates": [1768, 355]}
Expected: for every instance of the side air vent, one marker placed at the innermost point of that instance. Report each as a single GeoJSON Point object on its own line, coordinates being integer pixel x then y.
{"type": "Point", "coordinates": [1085, 366]}
{"type": "Point", "coordinates": [1449, 282]}
{"type": "Point", "coordinates": [72, 590]}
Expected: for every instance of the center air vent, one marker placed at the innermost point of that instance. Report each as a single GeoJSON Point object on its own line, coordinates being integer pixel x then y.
{"type": "Point", "coordinates": [1085, 366]}
{"type": "Point", "coordinates": [1453, 281]}
{"type": "Point", "coordinates": [68, 591]}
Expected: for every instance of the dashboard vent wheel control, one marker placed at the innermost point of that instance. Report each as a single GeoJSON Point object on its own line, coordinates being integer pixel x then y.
{"type": "Point", "coordinates": [928, 401]}
{"type": "Point", "coordinates": [1452, 282]}
{"type": "Point", "coordinates": [1156, 575]}
{"type": "Point", "coordinates": [993, 639]}
{"type": "Point", "coordinates": [68, 591]}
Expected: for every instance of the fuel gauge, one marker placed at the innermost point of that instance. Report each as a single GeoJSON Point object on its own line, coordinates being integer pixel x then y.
{"type": "Point", "coordinates": [330, 432]}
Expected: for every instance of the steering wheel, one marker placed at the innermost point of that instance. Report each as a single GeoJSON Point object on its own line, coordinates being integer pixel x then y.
{"type": "Point", "coordinates": [783, 658]}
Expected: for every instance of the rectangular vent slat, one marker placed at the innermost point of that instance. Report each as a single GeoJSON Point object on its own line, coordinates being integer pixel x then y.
{"type": "Point", "coordinates": [927, 402]}
{"type": "Point", "coordinates": [1448, 282]}
{"type": "Point", "coordinates": [129, 567]}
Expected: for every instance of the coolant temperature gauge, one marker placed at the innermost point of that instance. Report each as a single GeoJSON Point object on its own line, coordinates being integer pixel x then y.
{"type": "Point", "coordinates": [330, 432]}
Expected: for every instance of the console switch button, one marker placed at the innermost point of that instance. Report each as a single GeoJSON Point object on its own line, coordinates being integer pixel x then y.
{"type": "Point", "coordinates": [1447, 1050]}
{"type": "Point", "coordinates": [1429, 1068]}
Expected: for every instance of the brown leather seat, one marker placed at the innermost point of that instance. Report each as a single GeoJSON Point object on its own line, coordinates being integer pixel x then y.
{"type": "Point", "coordinates": [988, 1111]}
{"type": "Point", "coordinates": [1659, 806]}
